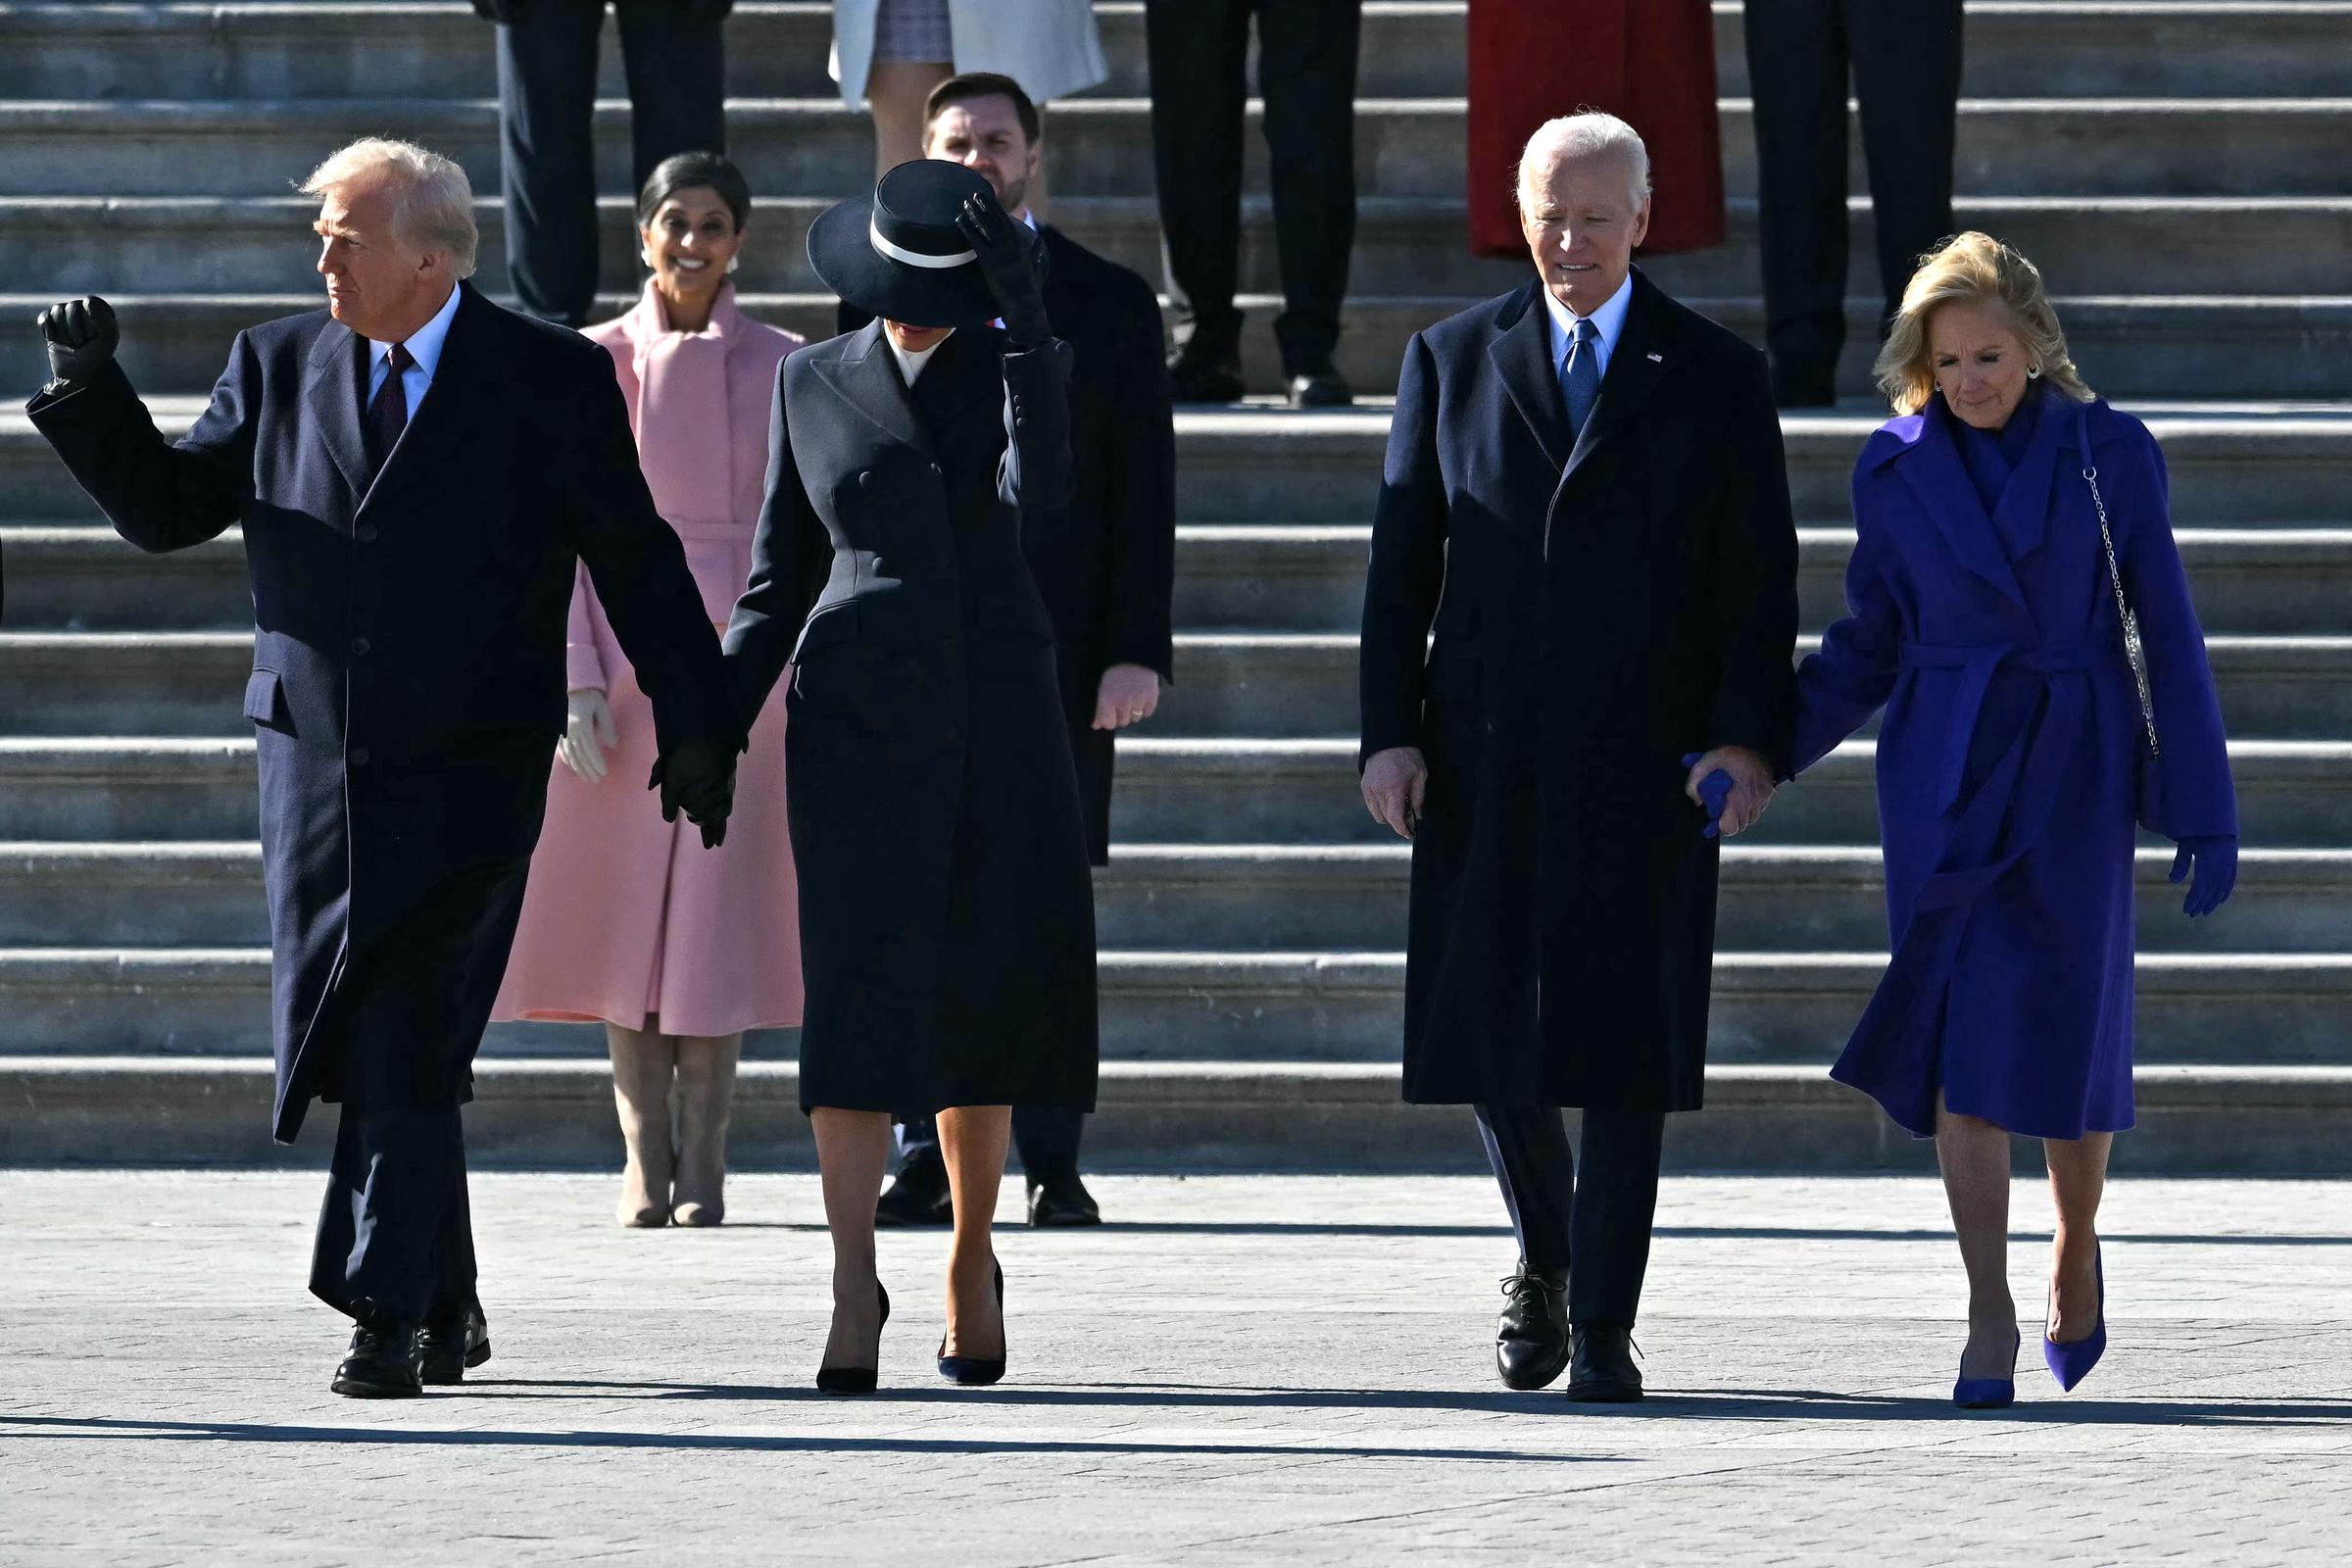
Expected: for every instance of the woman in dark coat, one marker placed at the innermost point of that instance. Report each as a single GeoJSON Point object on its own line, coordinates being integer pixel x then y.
{"type": "Point", "coordinates": [947, 922]}
{"type": "Point", "coordinates": [2015, 757]}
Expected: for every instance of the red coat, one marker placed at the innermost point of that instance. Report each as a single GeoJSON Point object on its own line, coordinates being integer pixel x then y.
{"type": "Point", "coordinates": [1649, 62]}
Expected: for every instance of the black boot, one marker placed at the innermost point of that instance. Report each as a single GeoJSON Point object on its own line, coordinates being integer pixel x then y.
{"type": "Point", "coordinates": [1602, 1371]}
{"type": "Point", "coordinates": [383, 1359]}
{"type": "Point", "coordinates": [1197, 373]}
{"type": "Point", "coordinates": [1057, 1197]}
{"type": "Point", "coordinates": [918, 1195]}
{"type": "Point", "coordinates": [1530, 1339]}
{"type": "Point", "coordinates": [450, 1342]}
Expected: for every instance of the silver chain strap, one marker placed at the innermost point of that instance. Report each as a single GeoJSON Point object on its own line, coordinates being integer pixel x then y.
{"type": "Point", "coordinates": [2134, 651]}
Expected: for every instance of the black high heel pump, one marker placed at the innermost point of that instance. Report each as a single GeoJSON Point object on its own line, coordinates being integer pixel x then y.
{"type": "Point", "coordinates": [857, 1379]}
{"type": "Point", "coordinates": [973, 1371]}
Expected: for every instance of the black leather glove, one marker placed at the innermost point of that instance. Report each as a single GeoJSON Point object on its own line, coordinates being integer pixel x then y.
{"type": "Point", "coordinates": [80, 336]}
{"type": "Point", "coordinates": [697, 777]}
{"type": "Point", "coordinates": [1013, 262]}
{"type": "Point", "coordinates": [498, 10]}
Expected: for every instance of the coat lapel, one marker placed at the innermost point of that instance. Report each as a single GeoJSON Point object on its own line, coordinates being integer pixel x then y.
{"type": "Point", "coordinates": [333, 383]}
{"type": "Point", "coordinates": [867, 379]}
{"type": "Point", "coordinates": [1940, 482]}
{"type": "Point", "coordinates": [1521, 353]}
{"type": "Point", "coordinates": [1635, 367]}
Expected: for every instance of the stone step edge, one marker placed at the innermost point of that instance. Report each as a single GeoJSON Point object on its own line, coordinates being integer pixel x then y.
{"type": "Point", "coordinates": [1193, 1116]}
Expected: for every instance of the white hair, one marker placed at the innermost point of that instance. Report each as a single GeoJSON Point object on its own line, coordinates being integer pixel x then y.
{"type": "Point", "coordinates": [432, 206]}
{"type": "Point", "coordinates": [1582, 135]}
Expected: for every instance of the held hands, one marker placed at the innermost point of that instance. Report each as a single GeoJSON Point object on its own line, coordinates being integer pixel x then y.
{"type": "Point", "coordinates": [1394, 782]}
{"type": "Point", "coordinates": [80, 336]}
{"type": "Point", "coordinates": [588, 733]}
{"type": "Point", "coordinates": [1732, 784]}
{"type": "Point", "coordinates": [2216, 862]}
{"type": "Point", "coordinates": [1127, 694]}
{"type": "Point", "coordinates": [697, 777]}
{"type": "Point", "coordinates": [1011, 260]}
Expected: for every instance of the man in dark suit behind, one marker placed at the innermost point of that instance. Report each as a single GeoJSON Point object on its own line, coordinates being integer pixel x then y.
{"type": "Point", "coordinates": [416, 471]}
{"type": "Point", "coordinates": [1585, 499]}
{"type": "Point", "coordinates": [1104, 565]}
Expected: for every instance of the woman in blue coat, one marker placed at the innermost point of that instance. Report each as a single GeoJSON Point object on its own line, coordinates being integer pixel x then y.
{"type": "Point", "coordinates": [2016, 755]}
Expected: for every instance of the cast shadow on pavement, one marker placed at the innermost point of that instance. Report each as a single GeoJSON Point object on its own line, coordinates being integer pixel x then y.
{"type": "Point", "coordinates": [117, 1430]}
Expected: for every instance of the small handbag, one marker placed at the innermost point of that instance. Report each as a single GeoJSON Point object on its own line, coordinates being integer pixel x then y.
{"type": "Point", "coordinates": [2149, 776]}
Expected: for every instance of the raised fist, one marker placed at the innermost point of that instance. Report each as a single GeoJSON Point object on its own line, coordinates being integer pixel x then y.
{"type": "Point", "coordinates": [80, 336]}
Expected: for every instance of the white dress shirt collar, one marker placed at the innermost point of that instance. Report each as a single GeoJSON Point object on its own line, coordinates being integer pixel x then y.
{"type": "Point", "coordinates": [1609, 320]}
{"type": "Point", "coordinates": [910, 363]}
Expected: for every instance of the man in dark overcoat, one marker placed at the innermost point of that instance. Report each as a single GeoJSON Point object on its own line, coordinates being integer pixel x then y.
{"type": "Point", "coordinates": [1585, 501]}
{"type": "Point", "coordinates": [1105, 564]}
{"type": "Point", "coordinates": [416, 471]}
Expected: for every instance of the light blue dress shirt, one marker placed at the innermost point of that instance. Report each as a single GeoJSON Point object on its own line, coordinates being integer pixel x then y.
{"type": "Point", "coordinates": [424, 350]}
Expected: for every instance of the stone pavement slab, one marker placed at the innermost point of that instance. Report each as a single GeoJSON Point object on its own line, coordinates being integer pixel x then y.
{"type": "Point", "coordinates": [1239, 1369]}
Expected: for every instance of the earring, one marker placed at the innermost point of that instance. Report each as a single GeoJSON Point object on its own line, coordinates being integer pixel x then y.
{"type": "Point", "coordinates": [647, 257]}
{"type": "Point", "coordinates": [2033, 375]}
{"type": "Point", "coordinates": [733, 263]}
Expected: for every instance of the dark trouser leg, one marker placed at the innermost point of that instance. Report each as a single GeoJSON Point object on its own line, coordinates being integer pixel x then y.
{"type": "Point", "coordinates": [1796, 66]}
{"type": "Point", "coordinates": [1616, 1202]}
{"type": "Point", "coordinates": [1047, 1138]}
{"type": "Point", "coordinates": [918, 1133]}
{"type": "Point", "coordinates": [1307, 75]}
{"type": "Point", "coordinates": [395, 1230]}
{"type": "Point", "coordinates": [677, 84]}
{"type": "Point", "coordinates": [1528, 1147]}
{"type": "Point", "coordinates": [1907, 88]}
{"type": "Point", "coordinates": [546, 111]}
{"type": "Point", "coordinates": [1199, 54]}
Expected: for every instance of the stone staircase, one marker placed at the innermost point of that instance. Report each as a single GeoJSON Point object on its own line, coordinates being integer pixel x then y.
{"type": "Point", "coordinates": [2177, 166]}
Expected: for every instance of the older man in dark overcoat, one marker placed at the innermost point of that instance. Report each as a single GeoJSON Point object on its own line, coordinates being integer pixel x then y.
{"type": "Point", "coordinates": [416, 471]}
{"type": "Point", "coordinates": [1585, 501]}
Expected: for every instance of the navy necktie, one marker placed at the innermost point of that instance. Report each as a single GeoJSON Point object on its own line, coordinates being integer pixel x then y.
{"type": "Point", "coordinates": [1580, 376]}
{"type": "Point", "coordinates": [388, 411]}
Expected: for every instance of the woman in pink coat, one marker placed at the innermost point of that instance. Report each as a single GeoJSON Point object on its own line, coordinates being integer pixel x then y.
{"type": "Point", "coordinates": [628, 919]}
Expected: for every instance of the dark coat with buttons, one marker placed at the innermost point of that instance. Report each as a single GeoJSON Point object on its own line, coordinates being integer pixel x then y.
{"type": "Point", "coordinates": [946, 914]}
{"type": "Point", "coordinates": [1600, 607]}
{"type": "Point", "coordinates": [408, 680]}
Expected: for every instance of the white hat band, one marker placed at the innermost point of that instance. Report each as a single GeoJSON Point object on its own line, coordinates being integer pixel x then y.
{"type": "Point", "coordinates": [898, 252]}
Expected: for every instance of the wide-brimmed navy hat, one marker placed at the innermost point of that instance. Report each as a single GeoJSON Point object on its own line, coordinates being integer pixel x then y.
{"type": "Point", "coordinates": [901, 256]}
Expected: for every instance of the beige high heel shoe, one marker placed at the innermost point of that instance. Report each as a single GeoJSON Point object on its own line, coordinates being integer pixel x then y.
{"type": "Point", "coordinates": [642, 1067]}
{"type": "Point", "coordinates": [706, 1105]}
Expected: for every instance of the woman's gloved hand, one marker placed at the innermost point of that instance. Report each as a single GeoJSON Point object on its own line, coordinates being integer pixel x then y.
{"type": "Point", "coordinates": [588, 734]}
{"type": "Point", "coordinates": [2215, 860]}
{"type": "Point", "coordinates": [1013, 262]}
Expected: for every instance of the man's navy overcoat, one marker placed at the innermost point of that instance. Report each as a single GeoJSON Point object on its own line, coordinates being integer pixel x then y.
{"type": "Point", "coordinates": [407, 679]}
{"type": "Point", "coordinates": [1599, 608]}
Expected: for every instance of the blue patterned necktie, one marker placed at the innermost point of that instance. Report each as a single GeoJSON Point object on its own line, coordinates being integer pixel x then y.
{"type": "Point", "coordinates": [1580, 376]}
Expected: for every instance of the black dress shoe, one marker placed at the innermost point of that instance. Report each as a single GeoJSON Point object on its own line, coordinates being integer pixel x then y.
{"type": "Point", "coordinates": [857, 1379]}
{"type": "Point", "coordinates": [1321, 388]}
{"type": "Point", "coordinates": [1531, 1340]}
{"type": "Point", "coordinates": [975, 1371]}
{"type": "Point", "coordinates": [1057, 1197]}
{"type": "Point", "coordinates": [1205, 377]}
{"type": "Point", "coordinates": [1603, 1370]}
{"type": "Point", "coordinates": [918, 1195]}
{"type": "Point", "coordinates": [449, 1345]}
{"type": "Point", "coordinates": [382, 1364]}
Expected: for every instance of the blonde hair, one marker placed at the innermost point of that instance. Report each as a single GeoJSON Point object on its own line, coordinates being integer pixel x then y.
{"type": "Point", "coordinates": [1580, 135]}
{"type": "Point", "coordinates": [1972, 267]}
{"type": "Point", "coordinates": [432, 205]}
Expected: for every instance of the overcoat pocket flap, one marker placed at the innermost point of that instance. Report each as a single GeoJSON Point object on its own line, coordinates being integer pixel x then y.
{"type": "Point", "coordinates": [265, 699]}
{"type": "Point", "coordinates": [830, 624]}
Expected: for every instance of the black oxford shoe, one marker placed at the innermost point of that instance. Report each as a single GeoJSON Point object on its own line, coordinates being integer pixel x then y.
{"type": "Point", "coordinates": [382, 1364]}
{"type": "Point", "coordinates": [1205, 377]}
{"type": "Point", "coordinates": [918, 1195]}
{"type": "Point", "coordinates": [1057, 1197]}
{"type": "Point", "coordinates": [1322, 388]}
{"type": "Point", "coordinates": [1531, 1340]}
{"type": "Point", "coordinates": [1603, 1370]}
{"type": "Point", "coordinates": [449, 1346]}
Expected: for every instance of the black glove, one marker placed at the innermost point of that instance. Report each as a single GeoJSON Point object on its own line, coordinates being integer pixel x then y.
{"type": "Point", "coordinates": [498, 10]}
{"type": "Point", "coordinates": [80, 336]}
{"type": "Point", "coordinates": [1013, 262]}
{"type": "Point", "coordinates": [697, 777]}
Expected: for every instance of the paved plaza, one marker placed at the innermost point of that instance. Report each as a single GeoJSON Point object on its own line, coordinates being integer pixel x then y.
{"type": "Point", "coordinates": [1288, 1369]}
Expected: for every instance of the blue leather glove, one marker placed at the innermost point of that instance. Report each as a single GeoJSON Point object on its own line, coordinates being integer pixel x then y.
{"type": "Point", "coordinates": [1713, 791]}
{"type": "Point", "coordinates": [2215, 860]}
